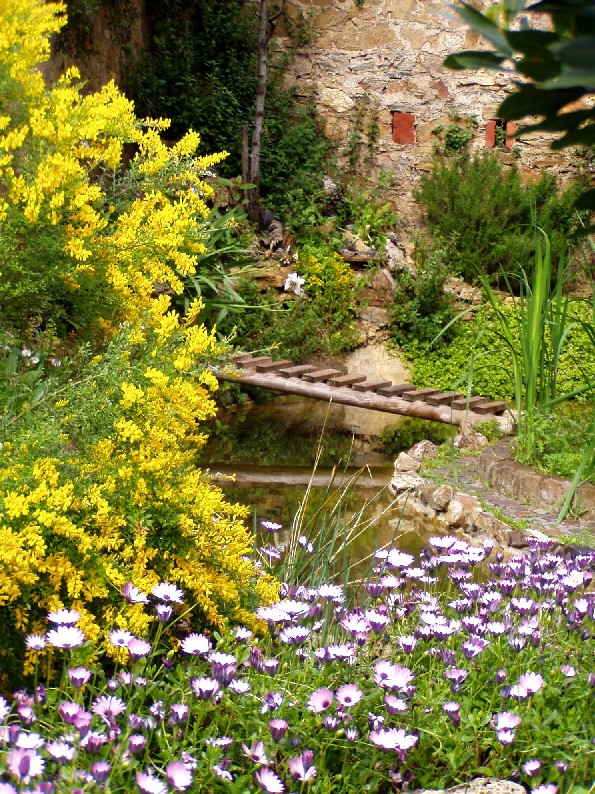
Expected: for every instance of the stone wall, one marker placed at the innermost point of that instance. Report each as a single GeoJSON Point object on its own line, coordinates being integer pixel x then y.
{"type": "Point", "coordinates": [388, 54]}
{"type": "Point", "coordinates": [119, 31]}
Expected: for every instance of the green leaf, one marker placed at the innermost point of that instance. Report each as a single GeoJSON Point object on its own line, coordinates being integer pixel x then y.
{"type": "Point", "coordinates": [484, 27]}
{"type": "Point", "coordinates": [473, 59]}
{"type": "Point", "coordinates": [531, 101]}
{"type": "Point", "coordinates": [586, 201]}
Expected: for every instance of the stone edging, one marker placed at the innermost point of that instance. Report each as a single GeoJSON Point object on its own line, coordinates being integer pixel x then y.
{"type": "Point", "coordinates": [498, 470]}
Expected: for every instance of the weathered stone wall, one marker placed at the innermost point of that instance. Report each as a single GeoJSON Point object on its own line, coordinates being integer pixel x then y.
{"type": "Point", "coordinates": [390, 53]}
{"type": "Point", "coordinates": [118, 33]}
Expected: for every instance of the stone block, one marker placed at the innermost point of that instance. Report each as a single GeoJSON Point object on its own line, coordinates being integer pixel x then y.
{"type": "Point", "coordinates": [405, 481]}
{"type": "Point", "coordinates": [463, 510]}
{"type": "Point", "coordinates": [405, 462]}
{"type": "Point", "coordinates": [423, 449]}
{"type": "Point", "coordinates": [438, 497]}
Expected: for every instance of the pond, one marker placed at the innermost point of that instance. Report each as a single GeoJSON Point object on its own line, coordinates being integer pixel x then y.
{"type": "Point", "coordinates": [304, 463]}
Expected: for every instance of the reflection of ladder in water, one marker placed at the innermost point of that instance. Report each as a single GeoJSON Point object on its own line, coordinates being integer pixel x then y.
{"type": "Point", "coordinates": [333, 385]}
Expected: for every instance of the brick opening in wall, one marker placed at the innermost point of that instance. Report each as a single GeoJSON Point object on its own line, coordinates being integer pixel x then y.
{"type": "Point", "coordinates": [500, 134]}
{"type": "Point", "coordinates": [403, 127]}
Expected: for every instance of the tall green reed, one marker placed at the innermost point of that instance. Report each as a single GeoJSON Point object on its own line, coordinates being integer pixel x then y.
{"type": "Point", "coordinates": [534, 334]}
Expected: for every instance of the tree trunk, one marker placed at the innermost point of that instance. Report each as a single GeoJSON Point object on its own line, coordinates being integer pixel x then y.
{"type": "Point", "coordinates": [261, 86]}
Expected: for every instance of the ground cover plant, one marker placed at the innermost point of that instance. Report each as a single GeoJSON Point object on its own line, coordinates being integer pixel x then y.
{"type": "Point", "coordinates": [435, 670]}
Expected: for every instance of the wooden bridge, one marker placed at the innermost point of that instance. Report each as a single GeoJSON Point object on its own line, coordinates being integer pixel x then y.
{"type": "Point", "coordinates": [378, 394]}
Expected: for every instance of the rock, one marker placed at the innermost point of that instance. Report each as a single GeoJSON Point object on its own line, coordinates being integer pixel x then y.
{"type": "Point", "coordinates": [462, 510]}
{"type": "Point", "coordinates": [375, 315]}
{"type": "Point", "coordinates": [396, 258]}
{"type": "Point", "coordinates": [492, 526]}
{"type": "Point", "coordinates": [423, 449]}
{"type": "Point", "coordinates": [518, 540]}
{"type": "Point", "coordinates": [471, 441]}
{"type": "Point", "coordinates": [481, 785]}
{"type": "Point", "coordinates": [405, 481]}
{"type": "Point", "coordinates": [438, 497]}
{"type": "Point", "coordinates": [406, 463]}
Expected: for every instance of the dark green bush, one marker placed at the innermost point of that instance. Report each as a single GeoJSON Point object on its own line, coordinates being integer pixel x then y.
{"type": "Point", "coordinates": [201, 72]}
{"type": "Point", "coordinates": [481, 213]}
{"type": "Point", "coordinates": [421, 310]}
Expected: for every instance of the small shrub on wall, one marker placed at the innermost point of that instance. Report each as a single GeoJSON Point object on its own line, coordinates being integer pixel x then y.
{"type": "Point", "coordinates": [480, 212]}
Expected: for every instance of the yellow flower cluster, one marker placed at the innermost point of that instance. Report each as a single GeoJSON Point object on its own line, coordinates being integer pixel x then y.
{"type": "Point", "coordinates": [131, 505]}
{"type": "Point", "coordinates": [107, 490]}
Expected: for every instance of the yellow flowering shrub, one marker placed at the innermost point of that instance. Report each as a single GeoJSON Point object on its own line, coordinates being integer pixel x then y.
{"type": "Point", "coordinates": [100, 487]}
{"type": "Point", "coordinates": [98, 482]}
{"type": "Point", "coordinates": [74, 225]}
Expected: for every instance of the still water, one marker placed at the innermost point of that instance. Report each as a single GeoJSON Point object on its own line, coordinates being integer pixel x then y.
{"type": "Point", "coordinates": [300, 462]}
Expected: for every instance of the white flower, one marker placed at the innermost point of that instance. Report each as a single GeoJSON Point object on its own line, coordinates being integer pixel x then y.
{"type": "Point", "coordinates": [294, 282]}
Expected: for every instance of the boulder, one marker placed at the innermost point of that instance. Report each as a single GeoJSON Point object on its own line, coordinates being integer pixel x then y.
{"type": "Point", "coordinates": [405, 481]}
{"type": "Point", "coordinates": [406, 462]}
{"type": "Point", "coordinates": [423, 449]}
{"type": "Point", "coordinates": [481, 785]}
{"type": "Point", "coordinates": [463, 510]}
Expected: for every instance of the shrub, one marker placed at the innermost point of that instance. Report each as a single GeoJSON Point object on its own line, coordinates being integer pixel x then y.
{"type": "Point", "coordinates": [98, 482]}
{"type": "Point", "coordinates": [320, 322]}
{"type": "Point", "coordinates": [421, 311]}
{"type": "Point", "coordinates": [481, 213]}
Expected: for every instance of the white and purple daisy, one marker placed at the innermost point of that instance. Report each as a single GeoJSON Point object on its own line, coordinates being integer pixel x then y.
{"type": "Point", "coordinates": [269, 781]}
{"type": "Point", "coordinates": [320, 700]}
{"type": "Point", "coordinates": [65, 637]}
{"type": "Point", "coordinates": [64, 617]}
{"type": "Point", "coordinates": [302, 768]}
{"type": "Point", "coordinates": [178, 775]}
{"type": "Point", "coordinates": [168, 593]}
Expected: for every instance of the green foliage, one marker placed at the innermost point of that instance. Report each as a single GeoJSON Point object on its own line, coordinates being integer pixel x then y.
{"type": "Point", "coordinates": [555, 63]}
{"type": "Point", "coordinates": [322, 322]}
{"type": "Point", "coordinates": [200, 71]}
{"type": "Point", "coordinates": [454, 139]}
{"type": "Point", "coordinates": [402, 436]}
{"type": "Point", "coordinates": [421, 310]}
{"type": "Point", "coordinates": [370, 213]}
{"type": "Point", "coordinates": [481, 212]}
{"type": "Point", "coordinates": [476, 345]}
{"type": "Point", "coordinates": [360, 148]}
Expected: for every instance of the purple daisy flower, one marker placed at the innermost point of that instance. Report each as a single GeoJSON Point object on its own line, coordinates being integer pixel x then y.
{"type": "Point", "coordinates": [221, 771]}
{"type": "Point", "coordinates": [395, 705]}
{"type": "Point", "coordinates": [531, 767]}
{"type": "Point", "coordinates": [295, 635]}
{"type": "Point", "coordinates": [36, 642]}
{"type": "Point", "coordinates": [169, 593]}
{"type": "Point", "coordinates": [136, 743]}
{"type": "Point", "coordinates": [179, 712]}
{"type": "Point", "coordinates": [108, 706]}
{"type": "Point", "coordinates": [178, 775]}
{"type": "Point", "coordinates": [278, 729]}
{"type": "Point", "coordinates": [65, 637]}
{"type": "Point", "coordinates": [100, 771]}
{"type": "Point", "coordinates": [133, 595]}
{"type": "Point", "coordinates": [204, 687]}
{"type": "Point", "coordinates": [148, 784]}
{"type": "Point", "coordinates": [64, 617]}
{"type": "Point", "coordinates": [79, 676]}
{"type": "Point", "coordinates": [24, 764]}
{"type": "Point", "coordinates": [394, 739]}
{"type": "Point", "coordinates": [348, 695]}
{"type": "Point", "coordinates": [138, 648]}
{"type": "Point", "coordinates": [60, 751]}
{"type": "Point", "coordinates": [120, 638]}
{"type": "Point", "coordinates": [256, 753]}
{"type": "Point", "coordinates": [269, 781]}
{"type": "Point", "coordinates": [320, 700]}
{"type": "Point", "coordinates": [532, 682]}
{"type": "Point", "coordinates": [196, 644]}
{"type": "Point", "coordinates": [302, 768]}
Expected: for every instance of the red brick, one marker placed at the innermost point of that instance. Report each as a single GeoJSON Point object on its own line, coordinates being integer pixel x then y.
{"type": "Point", "coordinates": [511, 129]}
{"type": "Point", "coordinates": [490, 134]}
{"type": "Point", "coordinates": [403, 128]}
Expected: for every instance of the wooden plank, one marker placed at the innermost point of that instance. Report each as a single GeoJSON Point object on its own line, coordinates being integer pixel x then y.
{"type": "Point", "coordinates": [346, 380]}
{"type": "Point", "coordinates": [418, 394]}
{"type": "Point", "coordinates": [253, 362]}
{"type": "Point", "coordinates": [321, 375]}
{"type": "Point", "coordinates": [373, 384]}
{"type": "Point", "coordinates": [369, 400]}
{"type": "Point", "coordinates": [494, 408]}
{"type": "Point", "coordinates": [296, 371]}
{"type": "Point", "coordinates": [394, 391]}
{"type": "Point", "coordinates": [471, 404]}
{"type": "Point", "coordinates": [242, 357]}
{"type": "Point", "coordinates": [443, 398]}
{"type": "Point", "coordinates": [273, 366]}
